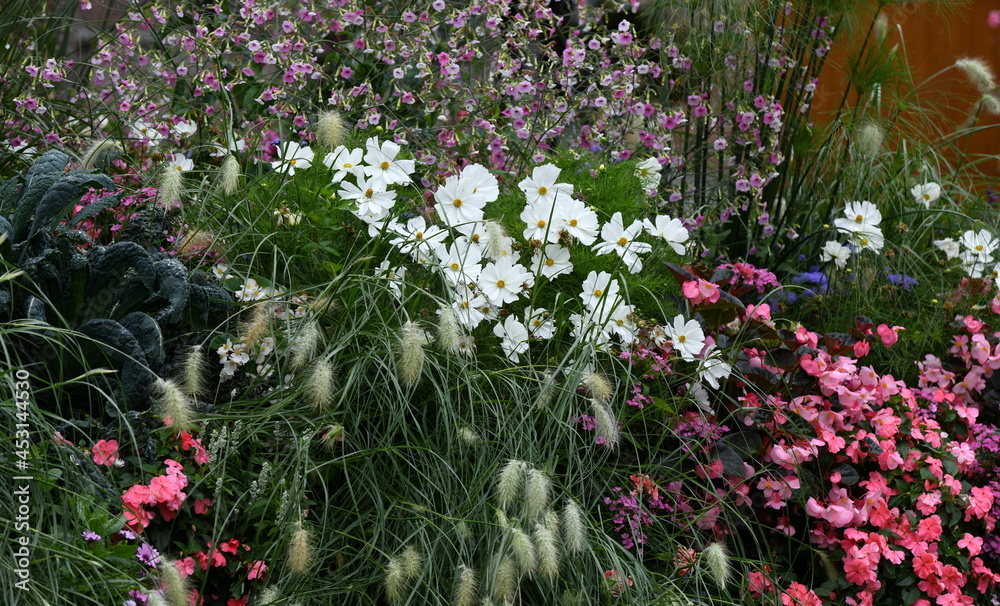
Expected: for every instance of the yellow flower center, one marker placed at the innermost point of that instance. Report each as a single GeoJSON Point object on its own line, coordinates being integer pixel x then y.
{"type": "Point", "coordinates": [550, 262]}
{"type": "Point", "coordinates": [572, 222]}
{"type": "Point", "coordinates": [292, 162]}
{"type": "Point", "coordinates": [859, 219]}
{"type": "Point", "coordinates": [541, 223]}
{"type": "Point", "coordinates": [384, 165]}
{"type": "Point", "coordinates": [598, 292]}
{"type": "Point", "coordinates": [622, 241]}
{"type": "Point", "coordinates": [681, 338]}
{"type": "Point", "coordinates": [475, 238]}
{"type": "Point", "coordinates": [979, 247]}
{"type": "Point", "coordinates": [501, 283]}
{"type": "Point", "coordinates": [543, 190]}
{"type": "Point", "coordinates": [454, 266]}
{"type": "Point", "coordinates": [418, 235]}
{"type": "Point", "coordinates": [348, 166]}
{"type": "Point", "coordinates": [464, 305]}
{"type": "Point", "coordinates": [369, 192]}
{"type": "Point", "coordinates": [457, 202]}
{"type": "Point", "coordinates": [927, 197]}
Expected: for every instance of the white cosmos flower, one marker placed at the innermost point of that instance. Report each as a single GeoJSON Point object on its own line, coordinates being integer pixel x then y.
{"type": "Point", "coordinates": [926, 194]}
{"type": "Point", "coordinates": [586, 328]}
{"type": "Point", "coordinates": [870, 239]}
{"type": "Point", "coordinates": [687, 337]}
{"type": "Point", "coordinates": [345, 162]}
{"type": "Point", "coordinates": [648, 172]}
{"type": "Point", "coordinates": [671, 230]}
{"type": "Point", "coordinates": [542, 186]}
{"type": "Point", "coordinates": [621, 323]}
{"type": "Point", "coordinates": [514, 337]}
{"type": "Point", "coordinates": [598, 289]}
{"type": "Point", "coordinates": [416, 237]}
{"type": "Point", "coordinates": [144, 131]}
{"type": "Point", "coordinates": [540, 323]}
{"type": "Point", "coordinates": [179, 163]}
{"type": "Point", "coordinates": [836, 252]}
{"type": "Point", "coordinates": [501, 281]}
{"type": "Point", "coordinates": [551, 261]}
{"type": "Point", "coordinates": [980, 244]}
{"type": "Point", "coordinates": [382, 165]}
{"type": "Point", "coordinates": [460, 263]}
{"type": "Point", "coordinates": [456, 203]}
{"type": "Point", "coordinates": [578, 220]}
{"type": "Point", "coordinates": [372, 199]}
{"type": "Point", "coordinates": [481, 181]}
{"type": "Point", "coordinates": [949, 247]}
{"type": "Point", "coordinates": [468, 307]}
{"type": "Point", "coordinates": [621, 241]}
{"type": "Point", "coordinates": [292, 156]}
{"type": "Point", "coordinates": [393, 276]}
{"type": "Point", "coordinates": [713, 367]}
{"type": "Point", "coordinates": [540, 220]}
{"type": "Point", "coordinates": [861, 217]}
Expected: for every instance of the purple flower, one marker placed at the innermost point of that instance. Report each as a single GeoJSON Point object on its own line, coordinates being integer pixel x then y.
{"type": "Point", "coordinates": [148, 555]}
{"type": "Point", "coordinates": [91, 535]}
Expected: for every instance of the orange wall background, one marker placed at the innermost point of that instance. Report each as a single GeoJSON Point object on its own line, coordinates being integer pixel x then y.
{"type": "Point", "coordinates": [933, 39]}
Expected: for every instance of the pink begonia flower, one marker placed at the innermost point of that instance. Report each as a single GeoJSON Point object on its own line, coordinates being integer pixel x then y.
{"type": "Point", "coordinates": [700, 291]}
{"type": "Point", "coordinates": [105, 452]}
{"type": "Point", "coordinates": [888, 334]}
{"type": "Point", "coordinates": [257, 570]}
{"type": "Point", "coordinates": [993, 20]}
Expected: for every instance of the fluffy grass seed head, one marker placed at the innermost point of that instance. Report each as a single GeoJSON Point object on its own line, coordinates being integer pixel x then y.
{"type": "Point", "coordinates": [174, 405]}
{"type": "Point", "coordinates": [271, 595]}
{"type": "Point", "coordinates": [574, 531]}
{"type": "Point", "coordinates": [448, 332]}
{"type": "Point", "coordinates": [505, 582]}
{"type": "Point", "coordinates": [598, 387]}
{"type": "Point", "coordinates": [410, 362]}
{"type": "Point", "coordinates": [155, 598]}
{"type": "Point", "coordinates": [395, 582]}
{"type": "Point", "coordinates": [229, 175]}
{"type": "Point", "coordinates": [301, 554]}
{"type": "Point", "coordinates": [171, 187]}
{"type": "Point", "coordinates": [716, 558]}
{"type": "Point", "coordinates": [979, 73]}
{"type": "Point", "coordinates": [495, 239]}
{"type": "Point", "coordinates": [991, 103]}
{"type": "Point", "coordinates": [306, 344]}
{"type": "Point", "coordinates": [548, 389]}
{"type": "Point", "coordinates": [412, 563]}
{"type": "Point", "coordinates": [468, 436]}
{"type": "Point", "coordinates": [193, 380]}
{"type": "Point", "coordinates": [260, 324]}
{"type": "Point", "coordinates": [523, 550]}
{"type": "Point", "coordinates": [547, 552]}
{"type": "Point", "coordinates": [466, 584]}
{"type": "Point", "coordinates": [100, 154]}
{"type": "Point", "coordinates": [332, 435]}
{"type": "Point", "coordinates": [509, 482]}
{"type": "Point", "coordinates": [868, 140]}
{"type": "Point", "coordinates": [606, 424]}
{"type": "Point", "coordinates": [175, 587]}
{"type": "Point", "coordinates": [536, 492]}
{"type": "Point", "coordinates": [321, 385]}
{"type": "Point", "coordinates": [330, 130]}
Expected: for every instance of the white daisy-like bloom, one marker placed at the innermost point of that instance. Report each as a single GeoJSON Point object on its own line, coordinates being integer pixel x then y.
{"type": "Point", "coordinates": [713, 367]}
{"type": "Point", "coordinates": [382, 165]}
{"type": "Point", "coordinates": [686, 337]}
{"type": "Point", "coordinates": [460, 263]}
{"type": "Point", "coordinates": [540, 219]}
{"type": "Point", "coordinates": [870, 239]}
{"type": "Point", "coordinates": [621, 323]}
{"type": "Point", "coordinates": [221, 271]}
{"type": "Point", "coordinates": [179, 163]}
{"type": "Point", "coordinates": [514, 337]}
{"type": "Point", "coordinates": [373, 201]}
{"type": "Point", "coordinates": [467, 306]}
{"type": "Point", "coordinates": [700, 396]}
{"type": "Point", "coordinates": [587, 329]}
{"type": "Point", "coordinates": [501, 281]}
{"type": "Point", "coordinates": [540, 323]}
{"type": "Point", "coordinates": [145, 132]}
{"type": "Point", "coordinates": [551, 261]}
{"type": "Point", "coordinates": [416, 238]}
{"type": "Point", "coordinates": [979, 244]}
{"type": "Point", "coordinates": [578, 220]}
{"type": "Point", "coordinates": [926, 194]}
{"type": "Point", "coordinates": [456, 203]}
{"type": "Point", "coordinates": [861, 217]}
{"type": "Point", "coordinates": [949, 247]}
{"type": "Point", "coordinates": [542, 186]}
{"type": "Point", "coordinates": [670, 230]}
{"type": "Point", "coordinates": [836, 252]}
{"type": "Point", "coordinates": [184, 129]}
{"type": "Point", "coordinates": [621, 241]}
{"type": "Point", "coordinates": [482, 182]}
{"type": "Point", "coordinates": [393, 276]}
{"type": "Point", "coordinates": [238, 145]}
{"type": "Point", "coordinates": [648, 172]}
{"type": "Point", "coordinates": [250, 291]}
{"type": "Point", "coordinates": [598, 289]}
{"type": "Point", "coordinates": [345, 162]}
{"type": "Point", "coordinates": [293, 156]}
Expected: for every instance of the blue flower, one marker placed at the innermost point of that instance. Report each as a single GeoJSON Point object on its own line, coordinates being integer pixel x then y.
{"type": "Point", "coordinates": [906, 282]}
